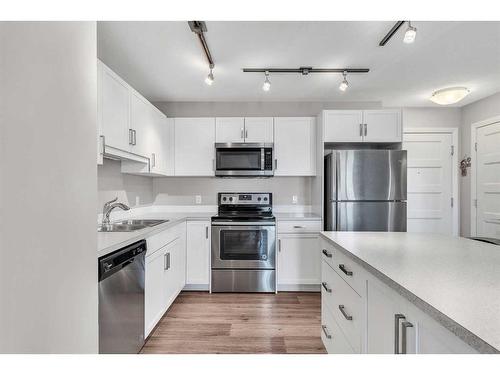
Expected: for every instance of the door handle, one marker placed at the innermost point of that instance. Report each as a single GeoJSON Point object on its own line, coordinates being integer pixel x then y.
{"type": "Point", "coordinates": [397, 318]}
{"type": "Point", "coordinates": [360, 130]}
{"type": "Point", "coordinates": [206, 232]}
{"type": "Point", "coordinates": [246, 133]}
{"type": "Point", "coordinates": [153, 159]}
{"type": "Point", "coordinates": [366, 130]}
{"type": "Point", "coordinates": [298, 226]}
{"type": "Point", "coordinates": [326, 253]}
{"type": "Point", "coordinates": [275, 163]}
{"type": "Point", "coordinates": [103, 144]}
{"type": "Point", "coordinates": [242, 134]}
{"type": "Point", "coordinates": [325, 285]}
{"type": "Point", "coordinates": [135, 137]}
{"type": "Point", "coordinates": [342, 310]}
{"type": "Point", "coordinates": [327, 334]}
{"type": "Point", "coordinates": [166, 260]}
{"type": "Point", "coordinates": [343, 269]}
{"type": "Point", "coordinates": [130, 137]}
{"type": "Point", "coordinates": [405, 326]}
{"type": "Point", "coordinates": [279, 245]}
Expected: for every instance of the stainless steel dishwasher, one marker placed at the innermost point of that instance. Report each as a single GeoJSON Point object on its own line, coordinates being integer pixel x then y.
{"type": "Point", "coordinates": [121, 300]}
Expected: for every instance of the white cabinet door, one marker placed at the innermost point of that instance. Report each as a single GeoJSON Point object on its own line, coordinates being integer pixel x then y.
{"type": "Point", "coordinates": [169, 146]}
{"type": "Point", "coordinates": [343, 126]}
{"type": "Point", "coordinates": [173, 261]}
{"type": "Point", "coordinates": [230, 130]}
{"type": "Point", "coordinates": [258, 129]}
{"type": "Point", "coordinates": [382, 126]}
{"type": "Point", "coordinates": [113, 108]}
{"type": "Point", "coordinates": [194, 146]}
{"type": "Point", "coordinates": [198, 253]}
{"type": "Point", "coordinates": [299, 260]}
{"type": "Point", "coordinates": [294, 146]}
{"type": "Point", "coordinates": [154, 293]}
{"type": "Point", "coordinates": [159, 150]}
{"type": "Point", "coordinates": [142, 122]}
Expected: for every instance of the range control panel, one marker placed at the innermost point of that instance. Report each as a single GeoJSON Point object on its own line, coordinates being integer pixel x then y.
{"type": "Point", "coordinates": [253, 199]}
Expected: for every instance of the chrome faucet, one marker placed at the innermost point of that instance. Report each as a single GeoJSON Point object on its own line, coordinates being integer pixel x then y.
{"type": "Point", "coordinates": [110, 206]}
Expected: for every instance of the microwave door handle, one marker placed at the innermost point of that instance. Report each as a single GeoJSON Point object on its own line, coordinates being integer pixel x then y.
{"type": "Point", "coordinates": [262, 159]}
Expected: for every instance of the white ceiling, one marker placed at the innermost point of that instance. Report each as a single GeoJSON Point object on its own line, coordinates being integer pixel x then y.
{"type": "Point", "coordinates": [165, 61]}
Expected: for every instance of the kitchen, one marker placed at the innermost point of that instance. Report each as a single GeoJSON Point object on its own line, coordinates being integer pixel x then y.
{"type": "Point", "coordinates": [246, 202]}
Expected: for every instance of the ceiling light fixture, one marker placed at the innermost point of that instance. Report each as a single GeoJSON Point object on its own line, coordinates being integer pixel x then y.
{"type": "Point", "coordinates": [210, 77]}
{"type": "Point", "coordinates": [450, 95]}
{"type": "Point", "coordinates": [410, 34]}
{"type": "Point", "coordinates": [344, 84]}
{"type": "Point", "coordinates": [267, 84]}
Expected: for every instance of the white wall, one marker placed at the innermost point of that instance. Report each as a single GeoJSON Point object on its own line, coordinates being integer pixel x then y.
{"type": "Point", "coordinates": [478, 111]}
{"type": "Point", "coordinates": [48, 269]}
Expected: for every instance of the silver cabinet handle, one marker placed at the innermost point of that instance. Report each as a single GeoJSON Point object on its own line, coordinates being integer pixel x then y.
{"type": "Point", "coordinates": [135, 137]}
{"type": "Point", "coordinates": [343, 269]}
{"type": "Point", "coordinates": [360, 130]}
{"type": "Point", "coordinates": [405, 326]}
{"type": "Point", "coordinates": [153, 159]}
{"type": "Point", "coordinates": [206, 232]}
{"type": "Point", "coordinates": [366, 130]}
{"type": "Point", "coordinates": [242, 134]}
{"type": "Point", "coordinates": [130, 137]}
{"type": "Point", "coordinates": [166, 261]}
{"type": "Point", "coordinates": [325, 285]}
{"type": "Point", "coordinates": [327, 334]}
{"type": "Point", "coordinates": [103, 144]}
{"type": "Point", "coordinates": [275, 163]}
{"type": "Point", "coordinates": [246, 133]}
{"type": "Point", "coordinates": [397, 318]}
{"type": "Point", "coordinates": [213, 164]}
{"type": "Point", "coordinates": [342, 310]}
{"type": "Point", "coordinates": [326, 253]}
{"type": "Point", "coordinates": [298, 226]}
{"type": "Point", "coordinates": [279, 245]}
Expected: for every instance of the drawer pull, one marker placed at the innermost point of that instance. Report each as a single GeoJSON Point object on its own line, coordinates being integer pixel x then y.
{"type": "Point", "coordinates": [325, 285]}
{"type": "Point", "coordinates": [298, 226]}
{"type": "Point", "coordinates": [325, 331]}
{"type": "Point", "coordinates": [342, 310]}
{"type": "Point", "coordinates": [327, 254]}
{"type": "Point", "coordinates": [343, 269]}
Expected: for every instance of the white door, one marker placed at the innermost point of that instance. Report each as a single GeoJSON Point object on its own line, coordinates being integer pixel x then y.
{"type": "Point", "coordinates": [343, 126]}
{"type": "Point", "coordinates": [258, 129]}
{"type": "Point", "coordinates": [142, 122]}
{"type": "Point", "coordinates": [194, 146]}
{"type": "Point", "coordinates": [154, 300]}
{"type": "Point", "coordinates": [488, 181]}
{"type": "Point", "coordinates": [430, 182]}
{"type": "Point", "coordinates": [113, 110]}
{"type": "Point", "coordinates": [230, 130]}
{"type": "Point", "coordinates": [294, 146]}
{"type": "Point", "coordinates": [382, 126]}
{"type": "Point", "coordinates": [299, 261]}
{"type": "Point", "coordinates": [198, 253]}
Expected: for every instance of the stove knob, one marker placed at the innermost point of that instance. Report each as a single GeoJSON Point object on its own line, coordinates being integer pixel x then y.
{"type": "Point", "coordinates": [230, 199]}
{"type": "Point", "coordinates": [265, 198]}
{"type": "Point", "coordinates": [224, 199]}
{"type": "Point", "coordinates": [259, 199]}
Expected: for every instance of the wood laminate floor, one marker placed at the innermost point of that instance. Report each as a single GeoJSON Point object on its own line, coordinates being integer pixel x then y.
{"type": "Point", "coordinates": [199, 322]}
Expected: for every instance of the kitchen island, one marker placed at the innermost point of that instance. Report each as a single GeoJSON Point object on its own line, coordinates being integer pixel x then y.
{"type": "Point", "coordinates": [409, 293]}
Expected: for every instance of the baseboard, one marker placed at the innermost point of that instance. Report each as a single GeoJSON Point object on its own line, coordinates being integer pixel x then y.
{"type": "Point", "coordinates": [196, 287]}
{"type": "Point", "coordinates": [299, 287]}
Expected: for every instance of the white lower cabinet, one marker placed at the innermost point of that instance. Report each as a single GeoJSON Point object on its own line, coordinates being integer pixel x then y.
{"type": "Point", "coordinates": [198, 255]}
{"type": "Point", "coordinates": [165, 273]}
{"type": "Point", "coordinates": [367, 316]}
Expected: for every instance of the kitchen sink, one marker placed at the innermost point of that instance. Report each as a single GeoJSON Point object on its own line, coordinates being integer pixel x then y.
{"type": "Point", "coordinates": [129, 225]}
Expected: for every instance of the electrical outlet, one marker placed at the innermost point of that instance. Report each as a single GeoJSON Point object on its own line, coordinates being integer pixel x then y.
{"type": "Point", "coordinates": [198, 199]}
{"type": "Point", "coordinates": [294, 199]}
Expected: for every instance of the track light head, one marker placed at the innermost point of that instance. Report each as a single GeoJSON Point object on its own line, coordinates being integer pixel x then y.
{"type": "Point", "coordinates": [267, 84]}
{"type": "Point", "coordinates": [410, 34]}
{"type": "Point", "coordinates": [344, 84]}
{"type": "Point", "coordinates": [210, 77]}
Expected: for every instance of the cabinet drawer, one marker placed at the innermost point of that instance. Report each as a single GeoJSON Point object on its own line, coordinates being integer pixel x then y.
{"type": "Point", "coordinates": [350, 272]}
{"type": "Point", "coordinates": [158, 240]}
{"type": "Point", "coordinates": [299, 226]}
{"type": "Point", "coordinates": [331, 334]}
{"type": "Point", "coordinates": [328, 253]}
{"type": "Point", "coordinates": [345, 304]}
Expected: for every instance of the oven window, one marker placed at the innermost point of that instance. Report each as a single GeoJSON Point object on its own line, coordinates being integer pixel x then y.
{"type": "Point", "coordinates": [243, 244]}
{"type": "Point", "coordinates": [242, 159]}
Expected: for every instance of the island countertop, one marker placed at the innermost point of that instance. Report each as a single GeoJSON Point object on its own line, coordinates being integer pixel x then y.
{"type": "Point", "coordinates": [455, 280]}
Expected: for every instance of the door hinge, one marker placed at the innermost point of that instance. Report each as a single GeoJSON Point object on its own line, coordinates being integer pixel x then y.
{"type": "Point", "coordinates": [451, 201]}
{"type": "Point", "coordinates": [475, 146]}
{"type": "Point", "coordinates": [452, 150]}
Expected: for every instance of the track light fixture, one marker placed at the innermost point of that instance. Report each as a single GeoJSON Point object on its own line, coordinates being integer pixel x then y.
{"type": "Point", "coordinates": [344, 84]}
{"type": "Point", "coordinates": [267, 84]}
{"type": "Point", "coordinates": [210, 77]}
{"type": "Point", "coordinates": [410, 34]}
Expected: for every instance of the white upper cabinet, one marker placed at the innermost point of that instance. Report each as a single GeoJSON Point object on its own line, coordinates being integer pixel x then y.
{"type": "Point", "coordinates": [343, 126]}
{"type": "Point", "coordinates": [294, 146]}
{"type": "Point", "coordinates": [113, 108]}
{"type": "Point", "coordinates": [142, 124]}
{"type": "Point", "coordinates": [258, 129]}
{"type": "Point", "coordinates": [230, 129]}
{"type": "Point", "coordinates": [375, 126]}
{"type": "Point", "coordinates": [382, 126]}
{"type": "Point", "coordinates": [194, 146]}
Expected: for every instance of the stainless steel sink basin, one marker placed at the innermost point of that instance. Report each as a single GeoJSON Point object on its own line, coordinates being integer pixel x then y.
{"type": "Point", "coordinates": [129, 225]}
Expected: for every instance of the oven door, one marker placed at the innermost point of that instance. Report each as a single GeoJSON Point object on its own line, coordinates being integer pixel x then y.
{"type": "Point", "coordinates": [245, 246]}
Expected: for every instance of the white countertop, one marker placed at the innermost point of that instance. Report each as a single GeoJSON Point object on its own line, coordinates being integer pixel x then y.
{"type": "Point", "coordinates": [455, 280]}
{"type": "Point", "coordinates": [299, 216]}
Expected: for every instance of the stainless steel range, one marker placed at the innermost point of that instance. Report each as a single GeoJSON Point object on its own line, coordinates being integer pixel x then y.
{"type": "Point", "coordinates": [244, 243]}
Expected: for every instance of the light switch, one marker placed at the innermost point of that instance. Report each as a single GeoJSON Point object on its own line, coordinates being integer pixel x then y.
{"type": "Point", "coordinates": [294, 199]}
{"type": "Point", "coordinates": [198, 199]}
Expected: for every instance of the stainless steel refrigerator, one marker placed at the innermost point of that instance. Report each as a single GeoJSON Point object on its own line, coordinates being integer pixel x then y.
{"type": "Point", "coordinates": [365, 190]}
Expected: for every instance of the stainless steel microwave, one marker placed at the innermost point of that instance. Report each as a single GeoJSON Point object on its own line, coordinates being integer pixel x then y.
{"type": "Point", "coordinates": [244, 159]}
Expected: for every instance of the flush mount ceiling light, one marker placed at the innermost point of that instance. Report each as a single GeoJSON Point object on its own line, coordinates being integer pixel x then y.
{"type": "Point", "coordinates": [267, 84]}
{"type": "Point", "coordinates": [409, 37]}
{"type": "Point", "coordinates": [344, 84]}
{"type": "Point", "coordinates": [450, 95]}
{"type": "Point", "coordinates": [199, 28]}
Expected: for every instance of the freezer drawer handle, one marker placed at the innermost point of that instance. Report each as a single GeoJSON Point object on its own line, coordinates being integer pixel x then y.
{"type": "Point", "coordinates": [342, 310]}
{"type": "Point", "coordinates": [325, 285]}
{"type": "Point", "coordinates": [325, 331]}
{"type": "Point", "coordinates": [343, 269]}
{"type": "Point", "coordinates": [327, 254]}
{"type": "Point", "coordinates": [405, 325]}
